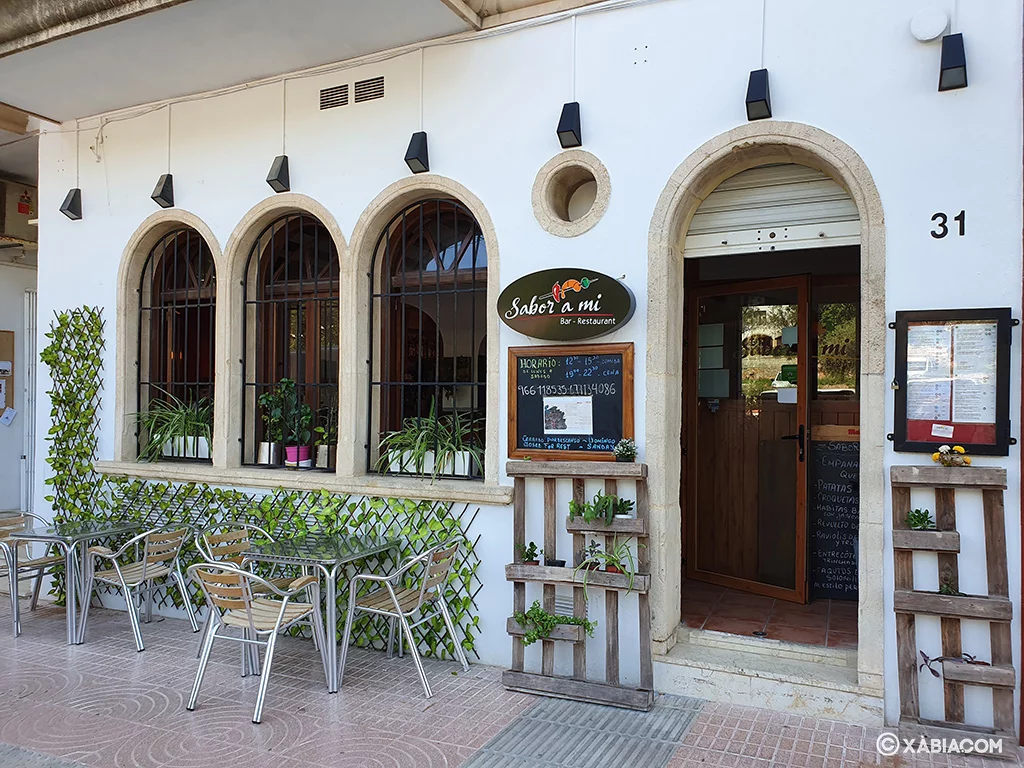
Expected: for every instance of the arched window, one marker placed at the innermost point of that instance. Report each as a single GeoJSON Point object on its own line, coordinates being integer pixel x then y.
{"type": "Point", "coordinates": [177, 304]}
{"type": "Point", "coordinates": [428, 311]}
{"type": "Point", "coordinates": [291, 346]}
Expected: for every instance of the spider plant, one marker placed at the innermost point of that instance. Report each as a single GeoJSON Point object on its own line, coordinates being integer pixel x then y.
{"type": "Point", "coordinates": [436, 438]}
{"type": "Point", "coordinates": [169, 418]}
{"type": "Point", "coordinates": [617, 559]}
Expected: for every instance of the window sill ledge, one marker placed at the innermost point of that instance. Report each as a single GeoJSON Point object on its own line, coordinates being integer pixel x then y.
{"type": "Point", "coordinates": [460, 491]}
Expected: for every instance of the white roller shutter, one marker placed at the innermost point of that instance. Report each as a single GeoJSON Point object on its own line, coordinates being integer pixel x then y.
{"type": "Point", "coordinates": [773, 208]}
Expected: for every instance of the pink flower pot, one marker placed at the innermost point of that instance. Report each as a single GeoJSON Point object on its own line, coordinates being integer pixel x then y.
{"type": "Point", "coordinates": [297, 456]}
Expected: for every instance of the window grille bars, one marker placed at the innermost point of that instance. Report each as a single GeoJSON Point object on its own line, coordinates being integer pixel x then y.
{"type": "Point", "coordinates": [176, 345]}
{"type": "Point", "coordinates": [428, 297]}
{"type": "Point", "coordinates": [290, 326]}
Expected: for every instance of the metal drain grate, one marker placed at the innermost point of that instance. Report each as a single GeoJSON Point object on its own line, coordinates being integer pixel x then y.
{"type": "Point", "coordinates": [570, 734]}
{"type": "Point", "coordinates": [23, 758]}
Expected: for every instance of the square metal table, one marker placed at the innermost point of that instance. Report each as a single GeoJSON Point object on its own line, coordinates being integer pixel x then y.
{"type": "Point", "coordinates": [328, 555]}
{"type": "Point", "coordinates": [73, 540]}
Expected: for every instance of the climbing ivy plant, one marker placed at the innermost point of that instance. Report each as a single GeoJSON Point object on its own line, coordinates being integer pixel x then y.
{"type": "Point", "coordinates": [79, 492]}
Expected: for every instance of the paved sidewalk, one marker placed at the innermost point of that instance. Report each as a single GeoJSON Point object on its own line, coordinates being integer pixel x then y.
{"type": "Point", "coordinates": [103, 705]}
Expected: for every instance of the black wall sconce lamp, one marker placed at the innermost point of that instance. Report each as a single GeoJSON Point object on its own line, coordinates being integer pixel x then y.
{"type": "Point", "coordinates": [570, 129]}
{"type": "Point", "coordinates": [72, 205]}
{"type": "Point", "coordinates": [759, 101]}
{"type": "Point", "coordinates": [953, 67]}
{"type": "Point", "coordinates": [163, 193]}
{"type": "Point", "coordinates": [278, 176]}
{"type": "Point", "coordinates": [416, 155]}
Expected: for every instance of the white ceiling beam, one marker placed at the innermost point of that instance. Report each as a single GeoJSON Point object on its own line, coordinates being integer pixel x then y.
{"type": "Point", "coordinates": [13, 120]}
{"type": "Point", "coordinates": [465, 13]}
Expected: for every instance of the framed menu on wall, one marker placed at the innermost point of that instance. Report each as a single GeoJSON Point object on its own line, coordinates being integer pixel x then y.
{"type": "Point", "coordinates": [953, 380]}
{"type": "Point", "coordinates": [569, 402]}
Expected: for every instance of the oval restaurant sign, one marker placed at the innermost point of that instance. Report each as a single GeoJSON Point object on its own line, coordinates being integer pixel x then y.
{"type": "Point", "coordinates": [566, 304]}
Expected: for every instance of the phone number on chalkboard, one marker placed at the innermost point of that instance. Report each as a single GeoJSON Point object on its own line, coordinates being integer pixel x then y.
{"type": "Point", "coordinates": [547, 390]}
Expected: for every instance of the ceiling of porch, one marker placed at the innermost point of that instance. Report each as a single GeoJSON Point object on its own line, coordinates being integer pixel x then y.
{"type": "Point", "coordinates": [63, 65]}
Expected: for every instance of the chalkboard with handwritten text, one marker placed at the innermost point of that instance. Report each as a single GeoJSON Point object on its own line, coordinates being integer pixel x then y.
{"type": "Point", "coordinates": [570, 402]}
{"type": "Point", "coordinates": [834, 501]}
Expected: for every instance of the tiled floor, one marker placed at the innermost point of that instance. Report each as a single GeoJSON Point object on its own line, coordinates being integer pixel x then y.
{"type": "Point", "coordinates": [831, 623]}
{"type": "Point", "coordinates": [102, 705]}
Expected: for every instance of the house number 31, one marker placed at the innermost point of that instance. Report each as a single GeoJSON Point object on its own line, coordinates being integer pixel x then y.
{"type": "Point", "coordinates": [942, 224]}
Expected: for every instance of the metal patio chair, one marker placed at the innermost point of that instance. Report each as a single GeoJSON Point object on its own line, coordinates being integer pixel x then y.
{"type": "Point", "coordinates": [224, 543]}
{"type": "Point", "coordinates": [400, 603]}
{"type": "Point", "coordinates": [35, 566]}
{"type": "Point", "coordinates": [161, 548]}
{"type": "Point", "coordinates": [238, 598]}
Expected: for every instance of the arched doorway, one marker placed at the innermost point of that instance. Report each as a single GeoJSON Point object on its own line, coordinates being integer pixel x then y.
{"type": "Point", "coordinates": [771, 403]}
{"type": "Point", "coordinates": [746, 147]}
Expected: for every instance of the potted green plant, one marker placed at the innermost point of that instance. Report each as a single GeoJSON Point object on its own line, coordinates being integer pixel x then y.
{"type": "Point", "coordinates": [272, 405]}
{"type": "Point", "coordinates": [920, 520]}
{"type": "Point", "coordinates": [539, 624]}
{"type": "Point", "coordinates": [625, 450]}
{"type": "Point", "coordinates": [616, 559]}
{"type": "Point", "coordinates": [528, 553]}
{"type": "Point", "coordinates": [434, 445]}
{"type": "Point", "coordinates": [604, 507]}
{"type": "Point", "coordinates": [457, 451]}
{"type": "Point", "coordinates": [293, 418]}
{"type": "Point", "coordinates": [327, 437]}
{"type": "Point", "coordinates": [553, 562]}
{"type": "Point", "coordinates": [175, 428]}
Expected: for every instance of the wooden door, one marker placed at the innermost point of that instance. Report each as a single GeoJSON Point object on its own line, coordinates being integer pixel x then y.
{"type": "Point", "coordinates": [746, 405]}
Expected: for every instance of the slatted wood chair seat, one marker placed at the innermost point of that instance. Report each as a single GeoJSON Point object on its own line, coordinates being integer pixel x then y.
{"type": "Point", "coordinates": [236, 599]}
{"type": "Point", "coordinates": [379, 601]}
{"type": "Point", "coordinates": [138, 579]}
{"type": "Point", "coordinates": [227, 542]}
{"type": "Point", "coordinates": [265, 613]}
{"type": "Point", "coordinates": [33, 567]}
{"type": "Point", "coordinates": [430, 570]}
{"type": "Point", "coordinates": [34, 562]}
{"type": "Point", "coordinates": [132, 573]}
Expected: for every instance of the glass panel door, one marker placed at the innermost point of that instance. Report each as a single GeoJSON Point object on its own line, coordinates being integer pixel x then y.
{"type": "Point", "coordinates": [747, 427]}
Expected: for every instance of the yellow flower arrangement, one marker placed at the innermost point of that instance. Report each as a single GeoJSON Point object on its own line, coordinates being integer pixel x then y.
{"type": "Point", "coordinates": [951, 457]}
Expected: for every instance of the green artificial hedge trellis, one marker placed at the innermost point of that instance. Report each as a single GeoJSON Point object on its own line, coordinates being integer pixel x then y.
{"type": "Point", "coordinates": [74, 356]}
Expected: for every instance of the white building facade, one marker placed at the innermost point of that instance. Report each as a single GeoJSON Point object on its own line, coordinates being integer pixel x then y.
{"type": "Point", "coordinates": [661, 85]}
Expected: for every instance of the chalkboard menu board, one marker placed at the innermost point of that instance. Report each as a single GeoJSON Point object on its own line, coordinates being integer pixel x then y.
{"type": "Point", "coordinates": [569, 402]}
{"type": "Point", "coordinates": [834, 499]}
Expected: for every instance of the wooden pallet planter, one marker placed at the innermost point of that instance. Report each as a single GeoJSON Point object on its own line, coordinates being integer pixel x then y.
{"type": "Point", "coordinates": [995, 607]}
{"type": "Point", "coordinates": [579, 686]}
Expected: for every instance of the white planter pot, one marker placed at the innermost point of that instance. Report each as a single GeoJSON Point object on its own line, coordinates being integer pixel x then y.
{"type": "Point", "coordinates": [268, 454]}
{"type": "Point", "coordinates": [192, 447]}
{"type": "Point", "coordinates": [324, 455]}
{"type": "Point", "coordinates": [406, 463]}
{"type": "Point", "coordinates": [461, 464]}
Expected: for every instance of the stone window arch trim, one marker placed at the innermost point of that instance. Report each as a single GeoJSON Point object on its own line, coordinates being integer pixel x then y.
{"type": "Point", "coordinates": [697, 176]}
{"type": "Point", "coordinates": [236, 255]}
{"type": "Point", "coordinates": [355, 330]}
{"type": "Point", "coordinates": [150, 232]}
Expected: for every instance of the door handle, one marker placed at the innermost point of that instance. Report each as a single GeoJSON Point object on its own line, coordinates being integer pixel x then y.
{"type": "Point", "coordinates": [799, 437]}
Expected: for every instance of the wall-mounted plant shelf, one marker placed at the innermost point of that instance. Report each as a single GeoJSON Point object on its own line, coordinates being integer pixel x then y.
{"type": "Point", "coordinates": [979, 674]}
{"type": "Point", "coordinates": [954, 606]}
{"type": "Point", "coordinates": [551, 575]}
{"type": "Point", "coordinates": [579, 687]}
{"type": "Point", "coordinates": [626, 526]}
{"type": "Point", "coordinates": [572, 633]}
{"type": "Point", "coordinates": [994, 607]}
{"type": "Point", "coordinates": [599, 470]}
{"type": "Point", "coordinates": [579, 690]}
{"type": "Point", "coordinates": [926, 541]}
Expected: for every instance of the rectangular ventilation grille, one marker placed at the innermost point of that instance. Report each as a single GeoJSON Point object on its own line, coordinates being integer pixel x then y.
{"type": "Point", "coordinates": [334, 97]}
{"type": "Point", "coordinates": [368, 90]}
